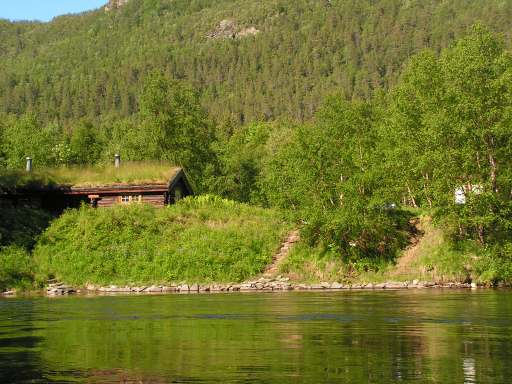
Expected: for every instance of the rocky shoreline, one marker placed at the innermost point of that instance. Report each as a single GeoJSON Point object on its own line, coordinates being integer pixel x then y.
{"type": "Point", "coordinates": [262, 284]}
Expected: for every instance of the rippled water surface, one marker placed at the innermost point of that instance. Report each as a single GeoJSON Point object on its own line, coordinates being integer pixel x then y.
{"type": "Point", "coordinates": [426, 336]}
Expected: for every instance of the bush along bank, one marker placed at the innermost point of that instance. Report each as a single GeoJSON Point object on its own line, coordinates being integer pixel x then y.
{"type": "Point", "coordinates": [19, 229]}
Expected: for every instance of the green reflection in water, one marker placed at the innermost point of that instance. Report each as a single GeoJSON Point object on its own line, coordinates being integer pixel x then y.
{"type": "Point", "coordinates": [351, 337]}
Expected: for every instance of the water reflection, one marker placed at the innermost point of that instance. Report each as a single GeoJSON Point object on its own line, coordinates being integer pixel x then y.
{"type": "Point", "coordinates": [351, 337]}
{"type": "Point", "coordinates": [20, 360]}
{"type": "Point", "coordinates": [468, 364]}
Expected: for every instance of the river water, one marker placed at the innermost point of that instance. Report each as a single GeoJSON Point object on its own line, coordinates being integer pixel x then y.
{"type": "Point", "coordinates": [411, 336]}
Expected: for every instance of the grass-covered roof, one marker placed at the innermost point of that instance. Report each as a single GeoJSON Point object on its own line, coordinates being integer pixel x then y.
{"type": "Point", "coordinates": [129, 173]}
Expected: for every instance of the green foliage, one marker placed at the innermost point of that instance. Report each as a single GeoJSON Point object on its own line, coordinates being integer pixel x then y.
{"type": "Point", "coordinates": [495, 266]}
{"type": "Point", "coordinates": [174, 126]}
{"type": "Point", "coordinates": [484, 217]}
{"type": "Point", "coordinates": [203, 239]}
{"type": "Point", "coordinates": [171, 127]}
{"type": "Point", "coordinates": [366, 235]}
{"type": "Point", "coordinates": [438, 258]}
{"type": "Point", "coordinates": [19, 229]}
{"type": "Point", "coordinates": [20, 226]}
{"type": "Point", "coordinates": [25, 137]}
{"type": "Point", "coordinates": [317, 264]}
{"type": "Point", "coordinates": [85, 144]}
{"type": "Point", "coordinates": [445, 126]}
{"type": "Point", "coordinates": [314, 264]}
{"type": "Point", "coordinates": [349, 174]}
{"type": "Point", "coordinates": [326, 171]}
{"type": "Point", "coordinates": [450, 129]}
{"type": "Point", "coordinates": [16, 268]}
{"type": "Point", "coordinates": [241, 159]}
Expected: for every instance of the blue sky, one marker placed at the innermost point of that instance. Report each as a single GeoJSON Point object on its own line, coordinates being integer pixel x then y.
{"type": "Point", "coordinates": [44, 10]}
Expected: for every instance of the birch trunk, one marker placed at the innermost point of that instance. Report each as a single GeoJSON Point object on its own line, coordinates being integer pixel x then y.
{"type": "Point", "coordinates": [411, 197]}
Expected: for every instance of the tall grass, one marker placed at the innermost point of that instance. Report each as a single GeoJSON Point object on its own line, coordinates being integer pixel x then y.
{"type": "Point", "coordinates": [129, 172]}
{"type": "Point", "coordinates": [203, 239]}
{"type": "Point", "coordinates": [315, 264]}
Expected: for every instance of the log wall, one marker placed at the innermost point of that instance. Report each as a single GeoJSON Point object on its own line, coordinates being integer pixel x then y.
{"type": "Point", "coordinates": [156, 200]}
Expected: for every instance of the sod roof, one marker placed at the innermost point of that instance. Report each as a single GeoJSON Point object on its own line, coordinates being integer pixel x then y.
{"type": "Point", "coordinates": [130, 173]}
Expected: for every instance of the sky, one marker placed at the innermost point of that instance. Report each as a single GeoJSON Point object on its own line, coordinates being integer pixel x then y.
{"type": "Point", "coordinates": [44, 10]}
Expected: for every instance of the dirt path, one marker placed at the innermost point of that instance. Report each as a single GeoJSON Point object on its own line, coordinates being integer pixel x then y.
{"type": "Point", "coordinates": [411, 253]}
{"type": "Point", "coordinates": [273, 268]}
{"type": "Point", "coordinates": [426, 237]}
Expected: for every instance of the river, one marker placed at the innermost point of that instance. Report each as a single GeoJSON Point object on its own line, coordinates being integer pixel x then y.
{"type": "Point", "coordinates": [410, 336]}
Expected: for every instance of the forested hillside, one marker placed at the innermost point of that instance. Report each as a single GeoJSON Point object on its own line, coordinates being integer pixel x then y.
{"type": "Point", "coordinates": [94, 64]}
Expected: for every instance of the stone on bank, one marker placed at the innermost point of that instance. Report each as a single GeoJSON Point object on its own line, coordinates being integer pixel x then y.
{"type": "Point", "coordinates": [261, 284]}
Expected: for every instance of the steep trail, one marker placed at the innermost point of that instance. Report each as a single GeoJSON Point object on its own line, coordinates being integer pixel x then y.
{"type": "Point", "coordinates": [410, 255]}
{"type": "Point", "coordinates": [427, 238]}
{"type": "Point", "coordinates": [273, 268]}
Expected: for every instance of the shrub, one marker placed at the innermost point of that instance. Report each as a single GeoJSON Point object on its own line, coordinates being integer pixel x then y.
{"type": "Point", "coordinates": [495, 265]}
{"type": "Point", "coordinates": [16, 268]}
{"type": "Point", "coordinates": [360, 236]}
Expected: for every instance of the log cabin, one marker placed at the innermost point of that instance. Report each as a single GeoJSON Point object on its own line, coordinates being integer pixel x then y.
{"type": "Point", "coordinates": [157, 194]}
{"type": "Point", "coordinates": [169, 187]}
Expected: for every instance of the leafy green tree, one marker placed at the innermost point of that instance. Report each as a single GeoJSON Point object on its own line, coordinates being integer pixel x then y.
{"type": "Point", "coordinates": [241, 157]}
{"type": "Point", "coordinates": [3, 120]}
{"type": "Point", "coordinates": [85, 144]}
{"type": "Point", "coordinates": [24, 137]}
{"type": "Point", "coordinates": [451, 129]}
{"type": "Point", "coordinates": [409, 143]}
{"type": "Point", "coordinates": [122, 137]}
{"type": "Point", "coordinates": [174, 126]}
{"type": "Point", "coordinates": [330, 161]}
{"type": "Point", "coordinates": [327, 173]}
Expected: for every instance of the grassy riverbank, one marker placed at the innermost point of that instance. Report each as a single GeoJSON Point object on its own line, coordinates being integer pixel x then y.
{"type": "Point", "coordinates": [210, 240]}
{"type": "Point", "coordinates": [203, 239]}
{"type": "Point", "coordinates": [431, 256]}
